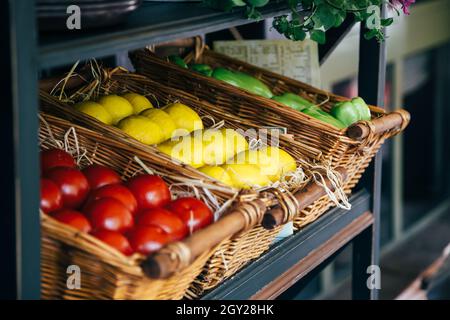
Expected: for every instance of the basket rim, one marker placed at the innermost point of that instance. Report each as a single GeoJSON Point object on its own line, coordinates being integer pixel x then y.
{"type": "Point", "coordinates": [277, 106]}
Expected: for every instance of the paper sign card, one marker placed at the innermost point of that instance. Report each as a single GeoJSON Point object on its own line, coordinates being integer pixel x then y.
{"type": "Point", "coordinates": [294, 59]}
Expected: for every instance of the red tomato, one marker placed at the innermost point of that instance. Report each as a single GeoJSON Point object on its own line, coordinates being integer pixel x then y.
{"type": "Point", "coordinates": [118, 192]}
{"type": "Point", "coordinates": [146, 240]}
{"type": "Point", "coordinates": [72, 218]}
{"type": "Point", "coordinates": [52, 158]}
{"type": "Point", "coordinates": [150, 191]}
{"type": "Point", "coordinates": [51, 197]}
{"type": "Point", "coordinates": [114, 239]}
{"type": "Point", "coordinates": [109, 214]}
{"type": "Point", "coordinates": [72, 183]}
{"type": "Point", "coordinates": [166, 220]}
{"type": "Point", "coordinates": [194, 213]}
{"type": "Point", "coordinates": [99, 176]}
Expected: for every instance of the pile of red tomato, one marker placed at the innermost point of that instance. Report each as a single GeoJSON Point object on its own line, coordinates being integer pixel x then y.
{"type": "Point", "coordinates": [135, 216]}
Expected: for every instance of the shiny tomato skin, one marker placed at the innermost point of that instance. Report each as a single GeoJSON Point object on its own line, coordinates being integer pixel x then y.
{"type": "Point", "coordinates": [194, 213]}
{"type": "Point", "coordinates": [109, 214]}
{"type": "Point", "coordinates": [150, 191]}
{"type": "Point", "coordinates": [51, 197]}
{"type": "Point", "coordinates": [118, 192]}
{"type": "Point", "coordinates": [52, 158]}
{"type": "Point", "coordinates": [164, 219]}
{"type": "Point", "coordinates": [147, 240]}
{"type": "Point", "coordinates": [72, 183]}
{"type": "Point", "coordinates": [114, 239]}
{"type": "Point", "coordinates": [73, 218]}
{"type": "Point", "coordinates": [99, 176]}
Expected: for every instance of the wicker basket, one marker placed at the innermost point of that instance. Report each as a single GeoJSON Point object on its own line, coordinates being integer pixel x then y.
{"type": "Point", "coordinates": [105, 272]}
{"type": "Point", "coordinates": [335, 145]}
{"type": "Point", "coordinates": [232, 254]}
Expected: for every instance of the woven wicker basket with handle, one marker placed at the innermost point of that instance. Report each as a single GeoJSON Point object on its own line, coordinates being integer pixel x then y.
{"type": "Point", "coordinates": [105, 272]}
{"type": "Point", "coordinates": [232, 254]}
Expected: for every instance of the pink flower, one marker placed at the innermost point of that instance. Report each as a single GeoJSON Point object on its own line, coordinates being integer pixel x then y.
{"type": "Point", "coordinates": [403, 3]}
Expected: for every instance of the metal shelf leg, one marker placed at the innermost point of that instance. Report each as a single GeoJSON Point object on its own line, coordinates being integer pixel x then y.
{"type": "Point", "coordinates": [20, 225]}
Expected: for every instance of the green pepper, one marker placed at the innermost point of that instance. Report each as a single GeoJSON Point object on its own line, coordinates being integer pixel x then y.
{"type": "Point", "coordinates": [349, 112]}
{"type": "Point", "coordinates": [178, 61]}
{"type": "Point", "coordinates": [243, 81]}
{"type": "Point", "coordinates": [202, 68]}
{"type": "Point", "coordinates": [293, 100]}
{"type": "Point", "coordinates": [364, 111]}
{"type": "Point", "coordinates": [321, 115]}
{"type": "Point", "coordinates": [346, 113]}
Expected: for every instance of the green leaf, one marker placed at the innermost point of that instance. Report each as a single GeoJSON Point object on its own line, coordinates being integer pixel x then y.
{"type": "Point", "coordinates": [253, 14]}
{"type": "Point", "coordinates": [371, 34]}
{"type": "Point", "coordinates": [318, 36]}
{"type": "Point", "coordinates": [238, 3]}
{"type": "Point", "coordinates": [324, 16]}
{"type": "Point", "coordinates": [257, 3]}
{"type": "Point", "coordinates": [281, 24]}
{"type": "Point", "coordinates": [298, 34]}
{"type": "Point", "coordinates": [387, 22]}
{"type": "Point", "coordinates": [339, 17]}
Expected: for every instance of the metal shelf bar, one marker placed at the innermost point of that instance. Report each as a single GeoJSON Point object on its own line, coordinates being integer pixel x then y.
{"type": "Point", "coordinates": [19, 140]}
{"type": "Point", "coordinates": [290, 260]}
{"type": "Point", "coordinates": [151, 23]}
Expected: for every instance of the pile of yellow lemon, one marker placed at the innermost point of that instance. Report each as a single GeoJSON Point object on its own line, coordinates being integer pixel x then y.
{"type": "Point", "coordinates": [178, 132]}
{"type": "Point", "coordinates": [135, 115]}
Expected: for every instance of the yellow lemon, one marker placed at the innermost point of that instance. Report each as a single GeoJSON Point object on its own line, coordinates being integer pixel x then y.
{"type": "Point", "coordinates": [138, 102]}
{"type": "Point", "coordinates": [221, 145]}
{"type": "Point", "coordinates": [186, 149]}
{"type": "Point", "coordinates": [247, 157]}
{"type": "Point", "coordinates": [117, 107]}
{"type": "Point", "coordinates": [214, 147]}
{"type": "Point", "coordinates": [275, 162]}
{"type": "Point", "coordinates": [217, 173]}
{"type": "Point", "coordinates": [235, 142]}
{"type": "Point", "coordinates": [246, 176]}
{"type": "Point", "coordinates": [184, 117]}
{"type": "Point", "coordinates": [142, 129]}
{"type": "Point", "coordinates": [95, 110]}
{"type": "Point", "coordinates": [162, 119]}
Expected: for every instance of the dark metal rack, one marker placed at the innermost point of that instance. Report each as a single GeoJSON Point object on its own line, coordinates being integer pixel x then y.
{"type": "Point", "coordinates": [23, 56]}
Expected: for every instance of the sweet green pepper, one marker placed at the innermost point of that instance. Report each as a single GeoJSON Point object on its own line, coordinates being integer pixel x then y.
{"type": "Point", "coordinates": [243, 81]}
{"type": "Point", "coordinates": [178, 60]}
{"type": "Point", "coordinates": [364, 110]}
{"type": "Point", "coordinates": [319, 114]}
{"type": "Point", "coordinates": [202, 68]}
{"type": "Point", "coordinates": [349, 112]}
{"type": "Point", "coordinates": [293, 100]}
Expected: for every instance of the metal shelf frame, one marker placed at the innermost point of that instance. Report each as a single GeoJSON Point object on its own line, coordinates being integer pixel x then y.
{"type": "Point", "coordinates": [25, 53]}
{"type": "Point", "coordinates": [290, 260]}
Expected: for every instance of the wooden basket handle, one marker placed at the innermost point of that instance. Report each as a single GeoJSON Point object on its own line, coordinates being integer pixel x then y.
{"type": "Point", "coordinates": [397, 119]}
{"type": "Point", "coordinates": [179, 255]}
{"type": "Point", "coordinates": [304, 198]}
